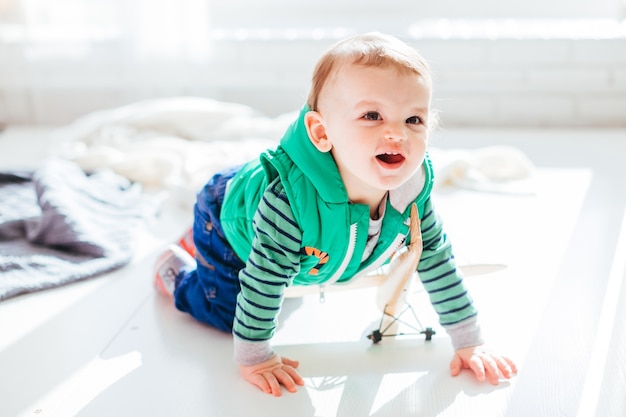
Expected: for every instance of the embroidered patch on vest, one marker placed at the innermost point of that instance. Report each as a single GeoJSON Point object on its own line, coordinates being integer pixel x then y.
{"type": "Point", "coordinates": [321, 255]}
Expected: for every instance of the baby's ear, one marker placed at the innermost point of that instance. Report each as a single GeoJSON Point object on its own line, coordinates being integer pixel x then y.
{"type": "Point", "coordinates": [314, 123]}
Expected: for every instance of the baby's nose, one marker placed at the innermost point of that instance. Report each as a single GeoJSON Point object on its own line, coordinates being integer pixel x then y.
{"type": "Point", "coordinates": [396, 133]}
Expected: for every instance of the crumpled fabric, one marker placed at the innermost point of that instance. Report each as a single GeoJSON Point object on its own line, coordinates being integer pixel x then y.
{"type": "Point", "coordinates": [60, 225]}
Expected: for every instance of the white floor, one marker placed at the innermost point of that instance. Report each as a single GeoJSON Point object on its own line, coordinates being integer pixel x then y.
{"type": "Point", "coordinates": [112, 347]}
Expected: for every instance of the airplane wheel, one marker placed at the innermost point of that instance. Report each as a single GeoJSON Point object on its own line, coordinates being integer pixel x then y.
{"type": "Point", "coordinates": [429, 332]}
{"type": "Point", "coordinates": [376, 336]}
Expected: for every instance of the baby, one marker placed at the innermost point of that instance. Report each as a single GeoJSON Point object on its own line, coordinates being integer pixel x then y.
{"type": "Point", "coordinates": [330, 204]}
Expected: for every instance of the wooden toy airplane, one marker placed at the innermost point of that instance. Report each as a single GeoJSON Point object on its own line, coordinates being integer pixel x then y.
{"type": "Point", "coordinates": [393, 286]}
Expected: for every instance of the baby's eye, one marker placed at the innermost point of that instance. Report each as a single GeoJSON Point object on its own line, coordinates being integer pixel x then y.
{"type": "Point", "coordinates": [372, 115]}
{"type": "Point", "coordinates": [414, 120]}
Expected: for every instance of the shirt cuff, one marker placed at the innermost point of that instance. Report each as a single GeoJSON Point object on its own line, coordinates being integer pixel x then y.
{"type": "Point", "coordinates": [251, 353]}
{"type": "Point", "coordinates": [465, 334]}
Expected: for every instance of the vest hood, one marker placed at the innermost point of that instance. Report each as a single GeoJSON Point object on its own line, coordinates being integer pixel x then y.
{"type": "Point", "coordinates": [318, 166]}
{"type": "Point", "coordinates": [322, 171]}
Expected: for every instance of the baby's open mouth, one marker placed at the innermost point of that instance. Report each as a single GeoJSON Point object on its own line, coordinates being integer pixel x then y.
{"type": "Point", "coordinates": [391, 158]}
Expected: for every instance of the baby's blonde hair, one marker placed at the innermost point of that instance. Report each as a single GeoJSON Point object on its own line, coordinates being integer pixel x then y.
{"type": "Point", "coordinates": [370, 49]}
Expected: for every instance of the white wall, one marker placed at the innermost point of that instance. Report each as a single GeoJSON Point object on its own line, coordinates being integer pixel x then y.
{"type": "Point", "coordinates": [489, 69]}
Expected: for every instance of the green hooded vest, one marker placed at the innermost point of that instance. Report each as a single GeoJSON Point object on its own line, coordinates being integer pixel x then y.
{"type": "Point", "coordinates": [334, 231]}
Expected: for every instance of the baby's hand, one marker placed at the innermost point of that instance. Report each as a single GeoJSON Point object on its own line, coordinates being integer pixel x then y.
{"type": "Point", "coordinates": [484, 363]}
{"type": "Point", "coordinates": [273, 373]}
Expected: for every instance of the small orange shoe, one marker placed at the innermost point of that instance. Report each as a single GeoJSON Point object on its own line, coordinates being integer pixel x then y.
{"type": "Point", "coordinates": [186, 242]}
{"type": "Point", "coordinates": [168, 266]}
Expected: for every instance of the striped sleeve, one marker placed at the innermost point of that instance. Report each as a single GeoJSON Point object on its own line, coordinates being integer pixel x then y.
{"type": "Point", "coordinates": [273, 262]}
{"type": "Point", "coordinates": [438, 273]}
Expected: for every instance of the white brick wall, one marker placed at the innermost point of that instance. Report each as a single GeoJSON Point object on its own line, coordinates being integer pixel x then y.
{"type": "Point", "coordinates": [618, 79]}
{"type": "Point", "coordinates": [609, 110]}
{"type": "Point", "coordinates": [511, 82]}
{"type": "Point", "coordinates": [479, 81]}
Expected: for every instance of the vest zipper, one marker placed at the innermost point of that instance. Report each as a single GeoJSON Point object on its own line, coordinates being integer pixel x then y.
{"type": "Point", "coordinates": [395, 245]}
{"type": "Point", "coordinates": [344, 264]}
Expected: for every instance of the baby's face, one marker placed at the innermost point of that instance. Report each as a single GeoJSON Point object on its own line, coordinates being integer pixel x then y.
{"type": "Point", "coordinates": [376, 119]}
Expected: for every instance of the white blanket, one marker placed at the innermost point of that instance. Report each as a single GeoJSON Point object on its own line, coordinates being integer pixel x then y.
{"type": "Point", "coordinates": [175, 144]}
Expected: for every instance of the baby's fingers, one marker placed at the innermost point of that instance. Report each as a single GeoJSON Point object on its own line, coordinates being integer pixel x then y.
{"type": "Point", "coordinates": [456, 365]}
{"type": "Point", "coordinates": [265, 383]}
{"type": "Point", "coordinates": [507, 366]}
{"type": "Point", "coordinates": [285, 379]}
{"type": "Point", "coordinates": [478, 367]}
{"type": "Point", "coordinates": [273, 383]}
{"type": "Point", "coordinates": [294, 375]}
{"type": "Point", "coordinates": [496, 366]}
{"type": "Point", "coordinates": [289, 362]}
{"type": "Point", "coordinates": [491, 368]}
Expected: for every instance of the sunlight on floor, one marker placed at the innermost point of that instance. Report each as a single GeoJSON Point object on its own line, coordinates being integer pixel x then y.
{"type": "Point", "coordinates": [393, 385]}
{"type": "Point", "coordinates": [103, 374]}
{"type": "Point", "coordinates": [54, 302]}
{"type": "Point", "coordinates": [326, 393]}
{"type": "Point", "coordinates": [602, 341]}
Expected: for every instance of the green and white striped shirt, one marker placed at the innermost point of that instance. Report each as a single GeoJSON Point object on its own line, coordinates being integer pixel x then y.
{"type": "Point", "coordinates": [275, 258]}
